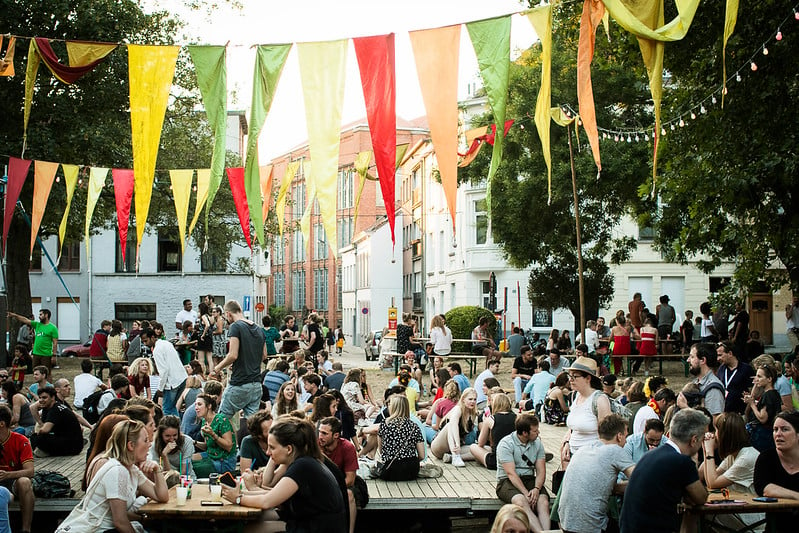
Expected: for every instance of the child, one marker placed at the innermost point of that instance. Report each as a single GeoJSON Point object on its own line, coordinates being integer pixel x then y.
{"type": "Point", "coordinates": [21, 364]}
{"type": "Point", "coordinates": [340, 342]}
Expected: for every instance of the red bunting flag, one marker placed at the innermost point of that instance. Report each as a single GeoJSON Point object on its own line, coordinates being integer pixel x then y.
{"type": "Point", "coordinates": [236, 178]}
{"type": "Point", "coordinates": [84, 56]}
{"type": "Point", "coordinates": [123, 192]}
{"type": "Point", "coordinates": [376, 64]}
{"type": "Point", "coordinates": [17, 172]}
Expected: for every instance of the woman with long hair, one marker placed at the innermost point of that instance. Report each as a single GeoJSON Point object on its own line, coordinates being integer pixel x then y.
{"type": "Point", "coordinates": [116, 347]}
{"type": "Point", "coordinates": [113, 491]}
{"type": "Point", "coordinates": [139, 373]}
{"type": "Point", "coordinates": [286, 401]}
{"type": "Point", "coordinates": [219, 447]}
{"type": "Point", "coordinates": [737, 468]}
{"type": "Point", "coordinates": [459, 432]}
{"type": "Point", "coordinates": [353, 395]}
{"type": "Point", "coordinates": [344, 414]}
{"type": "Point", "coordinates": [588, 408]}
{"type": "Point", "coordinates": [496, 426]}
{"type": "Point", "coordinates": [440, 336]}
{"type": "Point", "coordinates": [307, 494]}
{"type": "Point", "coordinates": [552, 341]}
{"type": "Point", "coordinates": [21, 416]}
{"type": "Point", "coordinates": [565, 342]}
{"type": "Point", "coordinates": [442, 378]}
{"type": "Point", "coordinates": [255, 447]}
{"type": "Point", "coordinates": [621, 345]}
{"type": "Point", "coordinates": [511, 519]}
{"type": "Point", "coordinates": [205, 336]}
{"type": "Point", "coordinates": [324, 406]}
{"type": "Point", "coordinates": [762, 405]}
{"type": "Point", "coordinates": [366, 391]}
{"type": "Point", "coordinates": [441, 406]}
{"type": "Point", "coordinates": [556, 402]}
{"type": "Point", "coordinates": [102, 432]}
{"type": "Point", "coordinates": [170, 447]}
{"type": "Point", "coordinates": [401, 442]}
{"type": "Point", "coordinates": [437, 364]}
{"type": "Point", "coordinates": [194, 385]}
{"type": "Point", "coordinates": [219, 341]}
{"type": "Point", "coordinates": [776, 469]}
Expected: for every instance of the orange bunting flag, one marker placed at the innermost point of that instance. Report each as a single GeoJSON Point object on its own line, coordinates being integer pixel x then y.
{"type": "Point", "coordinates": [266, 189]}
{"type": "Point", "coordinates": [43, 177]}
{"type": "Point", "coordinates": [7, 62]}
{"type": "Point", "coordinates": [593, 11]}
{"type": "Point", "coordinates": [123, 194]}
{"type": "Point", "coordinates": [438, 78]}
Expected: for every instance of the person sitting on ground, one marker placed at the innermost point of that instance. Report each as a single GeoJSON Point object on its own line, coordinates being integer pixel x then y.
{"type": "Point", "coordinates": [453, 440]}
{"type": "Point", "coordinates": [401, 442]}
{"type": "Point", "coordinates": [456, 373]}
{"type": "Point", "coordinates": [535, 392]}
{"type": "Point", "coordinates": [351, 390]}
{"type": "Point", "coordinates": [255, 446]}
{"type": "Point", "coordinates": [656, 408]}
{"type": "Point", "coordinates": [16, 467]}
{"type": "Point", "coordinates": [511, 519]}
{"type": "Point", "coordinates": [493, 429]}
{"type": "Point", "coordinates": [556, 403]}
{"type": "Point", "coordinates": [441, 378]}
{"type": "Point", "coordinates": [345, 414]}
{"type": "Point", "coordinates": [609, 386]}
{"type": "Point", "coordinates": [63, 389]}
{"type": "Point", "coordinates": [139, 377]}
{"type": "Point", "coordinates": [22, 420]}
{"type": "Point", "coordinates": [218, 450]}
{"type": "Point", "coordinates": [437, 363]}
{"type": "Point", "coordinates": [115, 486]}
{"type": "Point", "coordinates": [449, 399]}
{"type": "Point", "coordinates": [409, 368]}
{"type": "Point", "coordinates": [323, 407]}
{"type": "Point", "coordinates": [343, 454]}
{"type": "Point", "coordinates": [286, 400]}
{"type": "Point", "coordinates": [488, 373]}
{"type": "Point", "coordinates": [325, 365]}
{"type": "Point", "coordinates": [336, 378]}
{"type": "Point", "coordinates": [119, 385]}
{"type": "Point", "coordinates": [99, 439]}
{"type": "Point", "coordinates": [60, 433]}
{"type": "Point", "coordinates": [590, 480]}
{"type": "Point", "coordinates": [521, 471]}
{"type": "Point", "coordinates": [40, 374]}
{"type": "Point", "coordinates": [557, 363]}
{"type": "Point", "coordinates": [86, 383]}
{"type": "Point", "coordinates": [313, 386]}
{"type": "Point", "coordinates": [275, 378]}
{"type": "Point", "coordinates": [636, 400]}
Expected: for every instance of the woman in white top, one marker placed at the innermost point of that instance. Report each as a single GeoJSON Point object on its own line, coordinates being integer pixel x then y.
{"type": "Point", "coordinates": [737, 468]}
{"type": "Point", "coordinates": [707, 331]}
{"type": "Point", "coordinates": [112, 492]}
{"type": "Point", "coordinates": [583, 418]}
{"type": "Point", "coordinates": [440, 336]}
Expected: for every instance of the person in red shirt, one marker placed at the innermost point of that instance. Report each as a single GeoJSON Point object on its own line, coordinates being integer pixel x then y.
{"type": "Point", "coordinates": [16, 467]}
{"type": "Point", "coordinates": [342, 453]}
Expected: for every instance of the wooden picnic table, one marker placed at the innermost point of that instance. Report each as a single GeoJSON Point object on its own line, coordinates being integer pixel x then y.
{"type": "Point", "coordinates": [708, 510]}
{"type": "Point", "coordinates": [660, 358]}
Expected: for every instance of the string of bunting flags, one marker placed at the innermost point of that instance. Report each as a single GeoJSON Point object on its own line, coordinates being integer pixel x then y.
{"type": "Point", "coordinates": [322, 68]}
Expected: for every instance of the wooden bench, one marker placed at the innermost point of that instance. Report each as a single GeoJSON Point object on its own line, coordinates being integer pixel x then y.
{"type": "Point", "coordinates": [470, 358]}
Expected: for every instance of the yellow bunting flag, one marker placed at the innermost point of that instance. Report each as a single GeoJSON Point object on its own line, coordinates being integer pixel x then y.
{"type": "Point", "coordinates": [305, 221]}
{"type": "Point", "coordinates": [323, 71]}
{"type": "Point", "coordinates": [43, 177]}
{"type": "Point", "coordinates": [203, 184]}
{"type": "Point", "coordinates": [730, 19]}
{"type": "Point", "coordinates": [30, 80]}
{"type": "Point", "coordinates": [96, 182]}
{"type": "Point", "coordinates": [541, 20]}
{"type": "Point", "coordinates": [181, 191]}
{"type": "Point", "coordinates": [151, 69]}
{"type": "Point", "coordinates": [280, 203]}
{"type": "Point", "coordinates": [265, 173]}
{"type": "Point", "coordinates": [70, 180]}
{"type": "Point", "coordinates": [438, 78]}
{"type": "Point", "coordinates": [362, 161]}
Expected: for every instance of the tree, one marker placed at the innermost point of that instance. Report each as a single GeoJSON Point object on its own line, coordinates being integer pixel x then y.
{"type": "Point", "coordinates": [728, 190]}
{"type": "Point", "coordinates": [541, 236]}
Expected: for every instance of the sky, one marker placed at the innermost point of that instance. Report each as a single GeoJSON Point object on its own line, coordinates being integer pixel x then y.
{"type": "Point", "coordinates": [269, 21]}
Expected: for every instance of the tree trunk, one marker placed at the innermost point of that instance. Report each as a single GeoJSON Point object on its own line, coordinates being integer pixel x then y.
{"type": "Point", "coordinates": [17, 266]}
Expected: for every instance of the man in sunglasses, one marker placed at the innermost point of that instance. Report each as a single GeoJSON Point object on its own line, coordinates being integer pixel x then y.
{"type": "Point", "coordinates": [522, 470]}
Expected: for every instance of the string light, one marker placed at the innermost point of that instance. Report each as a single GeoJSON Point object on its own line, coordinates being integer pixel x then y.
{"type": "Point", "coordinates": [765, 51]}
{"type": "Point", "coordinates": [737, 77]}
{"type": "Point", "coordinates": [682, 123]}
{"type": "Point", "coordinates": [713, 99]}
{"type": "Point", "coordinates": [779, 35]}
{"type": "Point", "coordinates": [693, 115]}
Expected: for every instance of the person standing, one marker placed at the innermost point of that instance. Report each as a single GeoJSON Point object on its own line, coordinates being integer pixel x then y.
{"type": "Point", "coordinates": [739, 332]}
{"type": "Point", "coordinates": [246, 353]}
{"type": "Point", "coordinates": [187, 313]}
{"type": "Point", "coordinates": [735, 375]}
{"type": "Point", "coordinates": [636, 309]}
{"type": "Point", "coordinates": [172, 375]}
{"type": "Point", "coordinates": [45, 342]}
{"type": "Point", "coordinates": [702, 361]}
{"type": "Point", "coordinates": [792, 322]}
{"type": "Point", "coordinates": [666, 317]}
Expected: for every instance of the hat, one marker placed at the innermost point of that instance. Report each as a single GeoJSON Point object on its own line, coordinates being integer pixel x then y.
{"type": "Point", "coordinates": [609, 379]}
{"type": "Point", "coordinates": [584, 364]}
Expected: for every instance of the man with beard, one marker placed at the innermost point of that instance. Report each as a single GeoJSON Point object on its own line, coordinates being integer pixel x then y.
{"type": "Point", "coordinates": [735, 375]}
{"type": "Point", "coordinates": [703, 361]}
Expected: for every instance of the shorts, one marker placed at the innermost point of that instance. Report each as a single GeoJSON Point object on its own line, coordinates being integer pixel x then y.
{"type": "Point", "coordinates": [506, 490]}
{"type": "Point", "coordinates": [9, 484]}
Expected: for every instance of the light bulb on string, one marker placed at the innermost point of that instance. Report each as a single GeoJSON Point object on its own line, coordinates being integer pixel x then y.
{"type": "Point", "coordinates": [663, 132]}
{"type": "Point", "coordinates": [682, 123]}
{"type": "Point", "coordinates": [646, 137]}
{"type": "Point", "coordinates": [795, 14]}
{"type": "Point", "coordinates": [673, 127]}
{"type": "Point", "coordinates": [702, 109]}
{"type": "Point", "coordinates": [693, 115]}
{"type": "Point", "coordinates": [637, 138]}
{"type": "Point", "coordinates": [765, 51]}
{"type": "Point", "coordinates": [713, 99]}
{"type": "Point", "coordinates": [616, 138]}
{"type": "Point", "coordinates": [58, 179]}
{"type": "Point", "coordinates": [737, 77]}
{"type": "Point", "coordinates": [753, 66]}
{"type": "Point", "coordinates": [778, 36]}
{"type": "Point", "coordinates": [521, 126]}
{"type": "Point", "coordinates": [723, 91]}
{"type": "Point", "coordinates": [628, 139]}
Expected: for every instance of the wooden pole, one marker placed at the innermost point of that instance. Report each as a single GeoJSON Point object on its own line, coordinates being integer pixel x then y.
{"type": "Point", "coordinates": [579, 241]}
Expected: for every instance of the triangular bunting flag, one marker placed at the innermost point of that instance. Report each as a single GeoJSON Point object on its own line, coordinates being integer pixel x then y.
{"type": "Point", "coordinates": [181, 191]}
{"type": "Point", "coordinates": [235, 177]}
{"type": "Point", "coordinates": [280, 203]}
{"type": "Point", "coordinates": [203, 181]}
{"type": "Point", "coordinates": [96, 184]}
{"type": "Point", "coordinates": [541, 19]}
{"type": "Point", "coordinates": [43, 177]}
{"type": "Point", "coordinates": [17, 173]}
{"type": "Point", "coordinates": [70, 180]}
{"type": "Point", "coordinates": [123, 194]}
{"type": "Point", "coordinates": [266, 189]}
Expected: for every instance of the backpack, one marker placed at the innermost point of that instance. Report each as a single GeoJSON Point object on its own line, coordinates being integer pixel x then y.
{"type": "Point", "coordinates": [49, 484]}
{"type": "Point", "coordinates": [91, 404]}
{"type": "Point", "coordinates": [615, 406]}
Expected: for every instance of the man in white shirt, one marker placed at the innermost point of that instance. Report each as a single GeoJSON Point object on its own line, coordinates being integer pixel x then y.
{"type": "Point", "coordinates": [591, 337]}
{"type": "Point", "coordinates": [85, 383]}
{"type": "Point", "coordinates": [187, 313]}
{"type": "Point", "coordinates": [493, 368]}
{"type": "Point", "coordinates": [170, 369]}
{"type": "Point", "coordinates": [664, 398]}
{"type": "Point", "coordinates": [557, 364]}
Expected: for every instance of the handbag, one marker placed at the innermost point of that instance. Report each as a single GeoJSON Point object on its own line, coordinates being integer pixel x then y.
{"type": "Point", "coordinates": [557, 479]}
{"type": "Point", "coordinates": [379, 469]}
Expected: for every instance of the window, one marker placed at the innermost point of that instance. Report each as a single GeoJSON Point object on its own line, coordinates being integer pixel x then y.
{"type": "Point", "coordinates": [36, 258]}
{"type": "Point", "coordinates": [646, 233]}
{"type": "Point", "coordinates": [279, 280]}
{"type": "Point", "coordinates": [320, 242]}
{"type": "Point", "coordinates": [345, 187]}
{"type": "Point", "coordinates": [480, 222]}
{"type": "Point", "coordinates": [278, 252]}
{"type": "Point", "coordinates": [320, 288]}
{"type": "Point", "coordinates": [298, 289]}
{"type": "Point", "coordinates": [70, 257]}
{"type": "Point", "coordinates": [129, 265]}
{"type": "Point", "coordinates": [297, 247]}
{"type": "Point", "coordinates": [344, 229]}
{"type": "Point", "coordinates": [128, 312]}
{"type": "Point", "coordinates": [298, 196]}
{"type": "Point", "coordinates": [169, 257]}
{"type": "Point", "coordinates": [717, 284]}
{"type": "Point", "coordinates": [485, 293]}
{"type": "Point", "coordinates": [68, 314]}
{"type": "Point", "coordinates": [339, 286]}
{"type": "Point", "coordinates": [215, 258]}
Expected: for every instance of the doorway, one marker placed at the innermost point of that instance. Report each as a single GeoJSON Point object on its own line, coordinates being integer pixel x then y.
{"type": "Point", "coordinates": [760, 316]}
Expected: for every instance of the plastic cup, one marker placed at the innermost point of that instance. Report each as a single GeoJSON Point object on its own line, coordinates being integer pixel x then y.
{"type": "Point", "coordinates": [182, 493]}
{"type": "Point", "coordinates": [216, 492]}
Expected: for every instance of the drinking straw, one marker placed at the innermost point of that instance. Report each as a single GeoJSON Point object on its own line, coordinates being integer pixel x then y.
{"type": "Point", "coordinates": [180, 461]}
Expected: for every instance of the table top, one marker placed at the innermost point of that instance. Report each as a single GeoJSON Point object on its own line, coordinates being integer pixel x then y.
{"type": "Point", "coordinates": [195, 511]}
{"type": "Point", "coordinates": [750, 506]}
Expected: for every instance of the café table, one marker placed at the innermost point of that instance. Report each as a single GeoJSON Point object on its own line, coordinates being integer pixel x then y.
{"type": "Point", "coordinates": [194, 516]}
{"type": "Point", "coordinates": [743, 504]}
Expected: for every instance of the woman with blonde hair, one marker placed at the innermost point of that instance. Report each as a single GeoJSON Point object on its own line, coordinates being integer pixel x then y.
{"type": "Point", "coordinates": [401, 442]}
{"type": "Point", "coordinates": [460, 428]}
{"type": "Point", "coordinates": [440, 336]}
{"type": "Point", "coordinates": [494, 427]}
{"type": "Point", "coordinates": [511, 519]}
{"type": "Point", "coordinates": [139, 373]}
{"type": "Point", "coordinates": [450, 394]}
{"type": "Point", "coordinates": [113, 489]}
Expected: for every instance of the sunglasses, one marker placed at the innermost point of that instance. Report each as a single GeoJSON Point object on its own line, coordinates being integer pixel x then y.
{"type": "Point", "coordinates": [3, 376]}
{"type": "Point", "coordinates": [528, 462]}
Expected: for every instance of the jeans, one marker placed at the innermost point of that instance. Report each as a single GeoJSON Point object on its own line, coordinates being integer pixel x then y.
{"type": "Point", "coordinates": [171, 399]}
{"type": "Point", "coordinates": [518, 386]}
{"type": "Point", "coordinates": [246, 397]}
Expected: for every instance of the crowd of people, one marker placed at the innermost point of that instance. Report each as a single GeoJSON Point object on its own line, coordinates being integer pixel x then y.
{"type": "Point", "coordinates": [272, 406]}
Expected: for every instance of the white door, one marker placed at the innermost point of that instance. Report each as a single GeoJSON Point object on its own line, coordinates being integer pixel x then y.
{"type": "Point", "coordinates": [68, 321]}
{"type": "Point", "coordinates": [642, 284]}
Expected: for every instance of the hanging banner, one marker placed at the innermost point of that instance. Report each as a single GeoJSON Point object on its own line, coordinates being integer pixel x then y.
{"type": "Point", "coordinates": [7, 62]}
{"type": "Point", "coordinates": [491, 42]}
{"type": "Point", "coordinates": [593, 10]}
{"type": "Point", "coordinates": [17, 173]}
{"type": "Point", "coordinates": [70, 180]}
{"type": "Point", "coordinates": [730, 19]}
{"type": "Point", "coordinates": [203, 181]}
{"type": "Point", "coordinates": [265, 172]}
{"type": "Point", "coordinates": [541, 20]}
{"type": "Point", "coordinates": [362, 161]}
{"type": "Point", "coordinates": [43, 177]}
{"type": "Point", "coordinates": [438, 78]}
{"type": "Point", "coordinates": [209, 63]}
{"type": "Point", "coordinates": [378, 78]}
{"type": "Point", "coordinates": [280, 203]}
{"type": "Point", "coordinates": [323, 71]}
{"type": "Point", "coordinates": [235, 177]}
{"type": "Point", "coordinates": [181, 192]}
{"type": "Point", "coordinates": [269, 61]}
{"type": "Point", "coordinates": [96, 184]}
{"type": "Point", "coordinates": [123, 194]}
{"type": "Point", "coordinates": [305, 221]}
{"type": "Point", "coordinates": [151, 69]}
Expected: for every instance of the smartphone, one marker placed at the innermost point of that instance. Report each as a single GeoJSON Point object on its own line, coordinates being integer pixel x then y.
{"type": "Point", "coordinates": [765, 499]}
{"type": "Point", "coordinates": [228, 479]}
{"type": "Point", "coordinates": [211, 503]}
